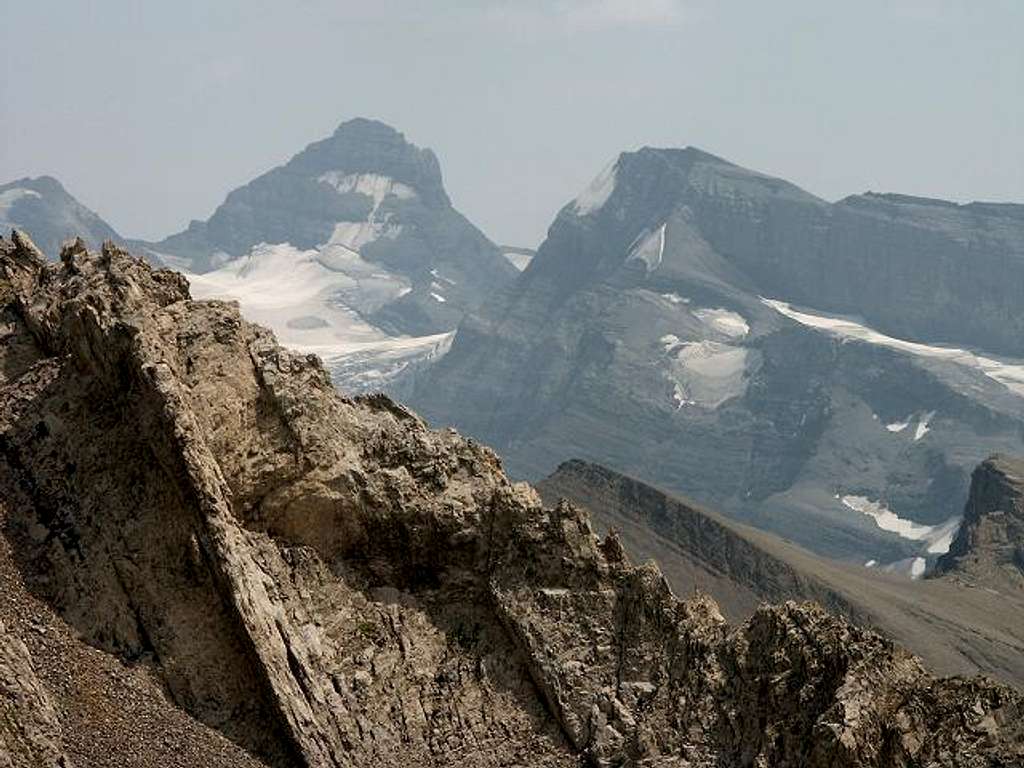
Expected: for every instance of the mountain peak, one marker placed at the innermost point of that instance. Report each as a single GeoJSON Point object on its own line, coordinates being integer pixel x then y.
{"type": "Point", "coordinates": [43, 208]}
{"type": "Point", "coordinates": [990, 544]}
{"type": "Point", "coordinates": [368, 126]}
{"type": "Point", "coordinates": [362, 145]}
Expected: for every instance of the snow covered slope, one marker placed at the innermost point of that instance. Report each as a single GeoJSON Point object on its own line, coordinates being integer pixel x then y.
{"type": "Point", "coordinates": [315, 301]}
{"type": "Point", "coordinates": [351, 250]}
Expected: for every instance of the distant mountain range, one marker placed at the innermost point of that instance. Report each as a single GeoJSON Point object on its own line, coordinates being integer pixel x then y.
{"type": "Point", "coordinates": [831, 372]}
{"type": "Point", "coordinates": [351, 250]}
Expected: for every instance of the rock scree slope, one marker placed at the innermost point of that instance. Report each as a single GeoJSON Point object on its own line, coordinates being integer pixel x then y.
{"type": "Point", "coordinates": [327, 582]}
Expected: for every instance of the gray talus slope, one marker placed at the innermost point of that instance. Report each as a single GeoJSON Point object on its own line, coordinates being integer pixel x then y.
{"type": "Point", "coordinates": [43, 208]}
{"type": "Point", "coordinates": [329, 583]}
{"type": "Point", "coordinates": [957, 625]}
{"type": "Point", "coordinates": [655, 332]}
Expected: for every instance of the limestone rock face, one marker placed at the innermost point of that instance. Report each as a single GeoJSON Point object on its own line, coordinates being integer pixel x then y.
{"type": "Point", "coordinates": [329, 583]}
{"type": "Point", "coordinates": [989, 548]}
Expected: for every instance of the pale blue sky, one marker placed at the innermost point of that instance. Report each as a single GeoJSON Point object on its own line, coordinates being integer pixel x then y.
{"type": "Point", "coordinates": [151, 111]}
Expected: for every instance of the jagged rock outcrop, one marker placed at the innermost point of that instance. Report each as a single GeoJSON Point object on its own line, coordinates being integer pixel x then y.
{"type": "Point", "coordinates": [989, 547]}
{"type": "Point", "coordinates": [956, 625]}
{"type": "Point", "coordinates": [330, 583]}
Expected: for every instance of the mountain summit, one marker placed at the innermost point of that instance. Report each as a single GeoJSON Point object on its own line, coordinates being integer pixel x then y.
{"type": "Point", "coordinates": [351, 250]}
{"type": "Point", "coordinates": [42, 207]}
{"type": "Point", "coordinates": [373, 208]}
{"type": "Point", "coordinates": [832, 372]}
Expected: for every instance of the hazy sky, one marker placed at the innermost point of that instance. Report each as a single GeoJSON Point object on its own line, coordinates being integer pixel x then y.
{"type": "Point", "coordinates": [150, 112]}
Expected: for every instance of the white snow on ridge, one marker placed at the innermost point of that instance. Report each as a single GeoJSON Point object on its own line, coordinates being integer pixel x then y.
{"type": "Point", "coordinates": [372, 185]}
{"type": "Point", "coordinates": [9, 197]}
{"type": "Point", "coordinates": [597, 192]}
{"type": "Point", "coordinates": [937, 538]}
{"type": "Point", "coordinates": [651, 249]}
{"type": "Point", "coordinates": [1009, 374]}
{"type": "Point", "coordinates": [898, 426]}
{"type": "Point", "coordinates": [518, 260]}
{"type": "Point", "coordinates": [724, 321]}
{"type": "Point", "coordinates": [922, 425]}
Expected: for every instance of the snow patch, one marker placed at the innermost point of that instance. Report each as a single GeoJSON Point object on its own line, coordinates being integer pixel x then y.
{"type": "Point", "coordinates": [917, 567]}
{"type": "Point", "coordinates": [519, 260]}
{"type": "Point", "coordinates": [898, 426]}
{"type": "Point", "coordinates": [937, 538]}
{"type": "Point", "coordinates": [596, 194]}
{"type": "Point", "coordinates": [373, 185]}
{"type": "Point", "coordinates": [438, 298]}
{"type": "Point", "coordinates": [354, 235]}
{"type": "Point", "coordinates": [705, 373]}
{"type": "Point", "coordinates": [870, 563]}
{"type": "Point", "coordinates": [674, 298]}
{"type": "Point", "coordinates": [651, 248]}
{"type": "Point", "coordinates": [9, 197]}
{"type": "Point", "coordinates": [922, 425]}
{"type": "Point", "coordinates": [1009, 374]}
{"type": "Point", "coordinates": [725, 321]}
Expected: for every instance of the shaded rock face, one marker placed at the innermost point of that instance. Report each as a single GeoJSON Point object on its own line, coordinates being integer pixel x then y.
{"type": "Point", "coordinates": [43, 208]}
{"type": "Point", "coordinates": [330, 583]}
{"type": "Point", "coordinates": [989, 547]}
{"type": "Point", "coordinates": [363, 196]}
{"type": "Point", "coordinates": [655, 332]}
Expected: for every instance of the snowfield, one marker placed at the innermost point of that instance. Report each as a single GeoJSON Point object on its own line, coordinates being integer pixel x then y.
{"type": "Point", "coordinates": [936, 538]}
{"type": "Point", "coordinates": [1009, 374]}
{"type": "Point", "coordinates": [726, 322]}
{"type": "Point", "coordinates": [704, 373]}
{"type": "Point", "coordinates": [313, 301]}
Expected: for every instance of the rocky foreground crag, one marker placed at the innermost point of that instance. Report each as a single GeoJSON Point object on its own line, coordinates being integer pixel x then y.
{"type": "Point", "coordinates": [327, 582]}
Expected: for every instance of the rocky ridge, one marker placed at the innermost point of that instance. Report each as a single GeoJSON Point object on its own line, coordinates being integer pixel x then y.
{"type": "Point", "coordinates": [958, 623]}
{"type": "Point", "coordinates": [989, 547]}
{"type": "Point", "coordinates": [327, 582]}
